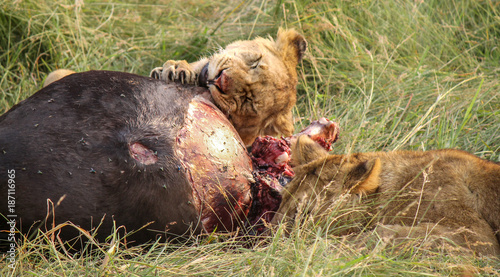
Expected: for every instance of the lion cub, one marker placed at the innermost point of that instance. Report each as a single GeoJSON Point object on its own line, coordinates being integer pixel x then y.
{"type": "Point", "coordinates": [56, 76]}
{"type": "Point", "coordinates": [252, 81]}
{"type": "Point", "coordinates": [435, 196]}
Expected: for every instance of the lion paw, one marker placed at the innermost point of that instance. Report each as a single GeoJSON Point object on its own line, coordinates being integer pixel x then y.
{"type": "Point", "coordinates": [173, 71]}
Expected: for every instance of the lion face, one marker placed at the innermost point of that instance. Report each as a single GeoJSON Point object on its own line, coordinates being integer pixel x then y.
{"type": "Point", "coordinates": [254, 82]}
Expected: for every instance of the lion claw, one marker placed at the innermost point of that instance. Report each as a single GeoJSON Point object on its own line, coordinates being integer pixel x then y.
{"type": "Point", "coordinates": [175, 71]}
{"type": "Point", "coordinates": [156, 73]}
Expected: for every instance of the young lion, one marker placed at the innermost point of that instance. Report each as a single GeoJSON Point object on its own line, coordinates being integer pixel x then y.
{"type": "Point", "coordinates": [57, 75]}
{"type": "Point", "coordinates": [252, 81]}
{"type": "Point", "coordinates": [437, 196]}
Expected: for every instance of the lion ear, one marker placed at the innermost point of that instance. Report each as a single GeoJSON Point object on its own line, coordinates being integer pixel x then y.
{"type": "Point", "coordinates": [363, 178]}
{"type": "Point", "coordinates": [305, 150]}
{"type": "Point", "coordinates": [291, 44]}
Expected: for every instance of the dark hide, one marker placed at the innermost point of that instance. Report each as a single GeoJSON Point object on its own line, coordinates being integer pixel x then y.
{"type": "Point", "coordinates": [107, 142]}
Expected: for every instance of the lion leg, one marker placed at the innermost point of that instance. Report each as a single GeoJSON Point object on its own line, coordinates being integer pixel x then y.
{"type": "Point", "coordinates": [179, 71]}
{"type": "Point", "coordinates": [172, 71]}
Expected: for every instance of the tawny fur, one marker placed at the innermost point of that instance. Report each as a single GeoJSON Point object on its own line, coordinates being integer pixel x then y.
{"type": "Point", "coordinates": [257, 82]}
{"type": "Point", "coordinates": [405, 194]}
{"type": "Point", "coordinates": [56, 75]}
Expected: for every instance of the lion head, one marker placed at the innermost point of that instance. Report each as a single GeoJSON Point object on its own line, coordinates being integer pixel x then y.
{"type": "Point", "coordinates": [254, 83]}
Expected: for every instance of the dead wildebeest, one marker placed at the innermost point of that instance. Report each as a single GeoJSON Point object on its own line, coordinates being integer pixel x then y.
{"type": "Point", "coordinates": [123, 147]}
{"type": "Point", "coordinates": [103, 149]}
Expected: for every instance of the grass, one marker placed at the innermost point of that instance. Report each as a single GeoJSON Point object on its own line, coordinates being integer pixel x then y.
{"type": "Point", "coordinates": [394, 74]}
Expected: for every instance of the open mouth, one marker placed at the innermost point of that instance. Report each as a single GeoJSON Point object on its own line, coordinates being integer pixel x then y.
{"type": "Point", "coordinates": [217, 82]}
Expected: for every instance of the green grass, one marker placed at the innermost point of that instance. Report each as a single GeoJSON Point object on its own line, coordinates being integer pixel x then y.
{"type": "Point", "coordinates": [394, 74]}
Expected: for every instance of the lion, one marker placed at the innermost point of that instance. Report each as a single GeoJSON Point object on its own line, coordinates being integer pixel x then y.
{"type": "Point", "coordinates": [440, 197]}
{"type": "Point", "coordinates": [57, 75]}
{"type": "Point", "coordinates": [252, 81]}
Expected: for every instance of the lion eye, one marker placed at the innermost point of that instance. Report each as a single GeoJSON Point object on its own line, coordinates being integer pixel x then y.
{"type": "Point", "coordinates": [254, 63]}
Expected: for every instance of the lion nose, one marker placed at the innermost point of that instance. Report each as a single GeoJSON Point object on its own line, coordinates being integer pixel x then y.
{"type": "Point", "coordinates": [220, 81]}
